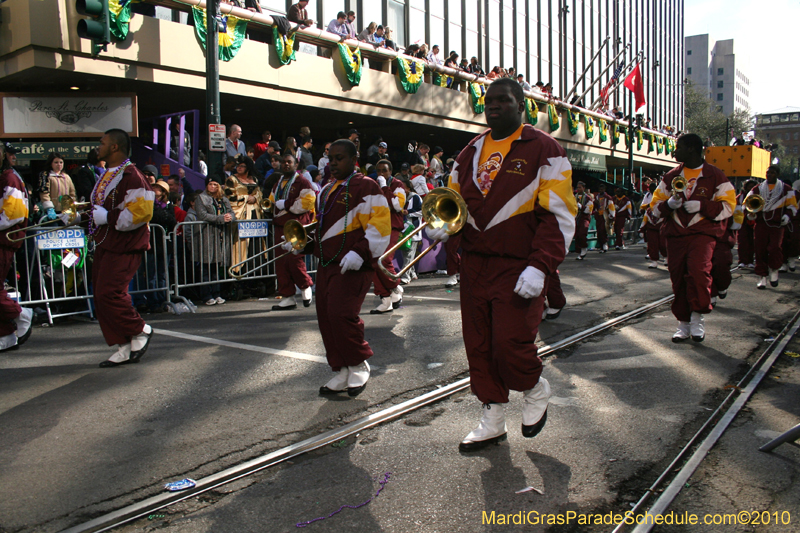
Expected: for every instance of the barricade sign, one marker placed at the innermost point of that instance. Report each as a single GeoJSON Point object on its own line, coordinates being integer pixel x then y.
{"type": "Point", "coordinates": [216, 137]}
{"type": "Point", "coordinates": [61, 239]}
{"type": "Point", "coordinates": [249, 229]}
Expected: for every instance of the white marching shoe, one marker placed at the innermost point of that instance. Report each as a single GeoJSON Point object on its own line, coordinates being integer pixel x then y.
{"type": "Point", "coordinates": [357, 379]}
{"type": "Point", "coordinates": [397, 297]}
{"type": "Point", "coordinates": [24, 325]}
{"type": "Point", "coordinates": [140, 342]}
{"type": "Point", "coordinates": [491, 430]}
{"type": "Point", "coordinates": [713, 301]}
{"type": "Point", "coordinates": [792, 265]}
{"type": "Point", "coordinates": [653, 264]}
{"type": "Point", "coordinates": [773, 277]}
{"type": "Point", "coordinates": [551, 314]}
{"type": "Point", "coordinates": [306, 294]}
{"type": "Point", "coordinates": [452, 281]}
{"type": "Point", "coordinates": [697, 327]}
{"type": "Point", "coordinates": [121, 357]}
{"type": "Point", "coordinates": [384, 307]}
{"type": "Point", "coordinates": [723, 294]}
{"type": "Point", "coordinates": [8, 342]}
{"type": "Point", "coordinates": [286, 304]}
{"type": "Point", "coordinates": [534, 408]}
{"type": "Point", "coordinates": [683, 332]}
{"type": "Point", "coordinates": [337, 383]}
{"type": "Point", "coordinates": [784, 268]}
{"type": "Point", "coordinates": [762, 283]}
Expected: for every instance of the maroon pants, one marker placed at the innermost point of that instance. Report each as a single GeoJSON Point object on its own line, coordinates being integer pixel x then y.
{"type": "Point", "coordinates": [619, 230]}
{"type": "Point", "coordinates": [499, 327]}
{"type": "Point", "coordinates": [656, 244]}
{"type": "Point", "coordinates": [384, 284]}
{"type": "Point", "coordinates": [339, 300]}
{"type": "Point", "coordinates": [791, 241]}
{"type": "Point", "coordinates": [602, 234]}
{"type": "Point", "coordinates": [9, 309]}
{"type": "Point", "coordinates": [581, 232]}
{"type": "Point", "coordinates": [111, 275]}
{"type": "Point", "coordinates": [290, 270]}
{"type": "Point", "coordinates": [768, 241]}
{"type": "Point", "coordinates": [690, 273]}
{"type": "Point", "coordinates": [555, 296]}
{"type": "Point", "coordinates": [721, 268]}
{"type": "Point", "coordinates": [746, 245]}
{"type": "Point", "coordinates": [453, 258]}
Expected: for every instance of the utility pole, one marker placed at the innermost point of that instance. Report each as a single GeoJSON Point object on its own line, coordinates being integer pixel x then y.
{"type": "Point", "coordinates": [629, 137]}
{"type": "Point", "coordinates": [213, 113]}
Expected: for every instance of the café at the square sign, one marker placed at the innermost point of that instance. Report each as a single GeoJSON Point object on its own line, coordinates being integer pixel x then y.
{"type": "Point", "coordinates": [31, 115]}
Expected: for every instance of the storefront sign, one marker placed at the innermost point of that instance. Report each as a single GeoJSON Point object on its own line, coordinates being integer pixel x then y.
{"type": "Point", "coordinates": [249, 229]}
{"type": "Point", "coordinates": [586, 160]}
{"type": "Point", "coordinates": [61, 239]}
{"type": "Point", "coordinates": [40, 151]}
{"type": "Point", "coordinates": [67, 115]}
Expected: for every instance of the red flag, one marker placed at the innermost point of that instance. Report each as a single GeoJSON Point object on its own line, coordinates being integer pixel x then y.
{"type": "Point", "coordinates": [635, 84]}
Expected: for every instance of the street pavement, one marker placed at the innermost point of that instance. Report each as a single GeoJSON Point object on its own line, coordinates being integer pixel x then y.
{"type": "Point", "coordinates": [236, 381]}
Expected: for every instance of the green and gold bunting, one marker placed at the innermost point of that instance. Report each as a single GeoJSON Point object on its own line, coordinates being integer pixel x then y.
{"type": "Point", "coordinates": [573, 120]}
{"type": "Point", "coordinates": [120, 13]}
{"type": "Point", "coordinates": [552, 114]}
{"type": "Point", "coordinates": [351, 60]}
{"type": "Point", "coordinates": [410, 71]}
{"type": "Point", "coordinates": [650, 143]}
{"type": "Point", "coordinates": [477, 94]}
{"type": "Point", "coordinates": [639, 139]}
{"type": "Point", "coordinates": [603, 130]}
{"type": "Point", "coordinates": [659, 145]}
{"type": "Point", "coordinates": [442, 80]}
{"type": "Point", "coordinates": [615, 137]}
{"type": "Point", "coordinates": [284, 46]}
{"type": "Point", "coordinates": [531, 111]}
{"type": "Point", "coordinates": [588, 126]}
{"type": "Point", "coordinates": [229, 41]}
{"type": "Point", "coordinates": [668, 147]}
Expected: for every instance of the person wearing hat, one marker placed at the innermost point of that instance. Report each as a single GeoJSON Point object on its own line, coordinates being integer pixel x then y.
{"type": "Point", "coordinates": [150, 173]}
{"type": "Point", "coordinates": [15, 321]}
{"type": "Point", "coordinates": [164, 216]}
{"type": "Point", "coordinates": [122, 205]}
{"type": "Point", "coordinates": [379, 154]}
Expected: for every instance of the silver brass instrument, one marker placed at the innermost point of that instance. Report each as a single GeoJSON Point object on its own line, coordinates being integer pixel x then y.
{"type": "Point", "coordinates": [69, 207]}
{"type": "Point", "coordinates": [441, 208]}
{"type": "Point", "coordinates": [295, 233]}
{"type": "Point", "coordinates": [754, 203]}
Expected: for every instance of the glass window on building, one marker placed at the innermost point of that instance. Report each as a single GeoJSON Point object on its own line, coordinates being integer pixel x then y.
{"type": "Point", "coordinates": [416, 29]}
{"type": "Point", "coordinates": [719, 97]}
{"type": "Point", "coordinates": [471, 46]}
{"type": "Point", "coordinates": [373, 12]}
{"type": "Point", "coordinates": [784, 118]}
{"type": "Point", "coordinates": [329, 10]}
{"type": "Point", "coordinates": [494, 56]}
{"type": "Point", "coordinates": [455, 42]}
{"type": "Point", "coordinates": [436, 7]}
{"type": "Point", "coordinates": [719, 84]}
{"type": "Point", "coordinates": [688, 52]}
{"type": "Point", "coordinates": [395, 19]}
{"type": "Point", "coordinates": [521, 39]}
{"type": "Point", "coordinates": [795, 116]}
{"type": "Point", "coordinates": [796, 136]}
{"type": "Point", "coordinates": [418, 4]}
{"type": "Point", "coordinates": [437, 36]}
{"type": "Point", "coordinates": [689, 71]}
{"type": "Point", "coordinates": [278, 6]}
{"type": "Point", "coordinates": [454, 13]}
{"type": "Point", "coordinates": [493, 15]}
{"type": "Point", "coordinates": [720, 71]}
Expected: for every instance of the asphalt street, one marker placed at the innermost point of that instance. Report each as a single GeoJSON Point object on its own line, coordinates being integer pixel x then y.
{"type": "Point", "coordinates": [236, 381]}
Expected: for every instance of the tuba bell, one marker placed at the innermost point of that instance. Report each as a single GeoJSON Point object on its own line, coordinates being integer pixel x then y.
{"type": "Point", "coordinates": [754, 203]}
{"type": "Point", "coordinates": [679, 184]}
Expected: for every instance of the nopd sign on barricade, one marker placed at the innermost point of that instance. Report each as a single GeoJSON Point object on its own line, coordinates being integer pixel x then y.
{"type": "Point", "coordinates": [61, 239]}
{"type": "Point", "coordinates": [249, 229]}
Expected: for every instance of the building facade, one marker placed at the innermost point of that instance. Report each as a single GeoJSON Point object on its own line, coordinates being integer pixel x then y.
{"type": "Point", "coordinates": [716, 70]}
{"type": "Point", "coordinates": [782, 127]}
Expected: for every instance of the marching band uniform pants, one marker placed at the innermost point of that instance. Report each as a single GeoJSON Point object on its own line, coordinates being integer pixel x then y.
{"type": "Point", "coordinates": [768, 241]}
{"type": "Point", "coordinates": [721, 268]}
{"type": "Point", "coordinates": [619, 230]}
{"type": "Point", "coordinates": [555, 296]}
{"type": "Point", "coordinates": [453, 258]}
{"type": "Point", "coordinates": [339, 300]}
{"type": "Point", "coordinates": [499, 327]}
{"type": "Point", "coordinates": [581, 232]}
{"type": "Point", "coordinates": [9, 309]}
{"type": "Point", "coordinates": [384, 285]}
{"type": "Point", "coordinates": [290, 270]}
{"type": "Point", "coordinates": [791, 241]}
{"type": "Point", "coordinates": [746, 246]}
{"type": "Point", "coordinates": [602, 234]}
{"type": "Point", "coordinates": [111, 275]}
{"type": "Point", "coordinates": [690, 272]}
{"type": "Point", "coordinates": [656, 244]}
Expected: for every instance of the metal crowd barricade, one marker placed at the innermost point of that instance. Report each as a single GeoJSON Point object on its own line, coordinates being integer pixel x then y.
{"type": "Point", "coordinates": [629, 233]}
{"type": "Point", "coordinates": [151, 284]}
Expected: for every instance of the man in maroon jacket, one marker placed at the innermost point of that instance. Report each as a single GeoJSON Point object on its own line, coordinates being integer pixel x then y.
{"type": "Point", "coordinates": [603, 215]}
{"type": "Point", "coordinates": [623, 211]}
{"type": "Point", "coordinates": [517, 184]}
{"type": "Point", "coordinates": [585, 203]}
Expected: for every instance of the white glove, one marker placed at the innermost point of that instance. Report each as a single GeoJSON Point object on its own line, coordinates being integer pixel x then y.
{"type": "Point", "coordinates": [588, 210]}
{"type": "Point", "coordinates": [351, 261]}
{"type": "Point", "coordinates": [692, 206]}
{"type": "Point", "coordinates": [100, 215]}
{"type": "Point", "coordinates": [675, 202]}
{"type": "Point", "coordinates": [280, 204]}
{"type": "Point", "coordinates": [530, 283]}
{"type": "Point", "coordinates": [751, 216]}
{"type": "Point", "coordinates": [785, 220]}
{"type": "Point", "coordinates": [64, 218]}
{"type": "Point", "coordinates": [437, 234]}
{"type": "Point", "coordinates": [381, 182]}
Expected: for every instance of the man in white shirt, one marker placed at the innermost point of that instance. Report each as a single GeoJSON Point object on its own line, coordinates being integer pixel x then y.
{"type": "Point", "coordinates": [433, 57]}
{"type": "Point", "coordinates": [338, 26]}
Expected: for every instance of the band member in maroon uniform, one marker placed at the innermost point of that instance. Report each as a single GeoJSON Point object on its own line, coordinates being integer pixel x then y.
{"type": "Point", "coordinates": [389, 290]}
{"type": "Point", "coordinates": [651, 229]}
{"type": "Point", "coordinates": [624, 211]}
{"type": "Point", "coordinates": [744, 237]}
{"type": "Point", "coordinates": [583, 219]}
{"type": "Point", "coordinates": [604, 213]}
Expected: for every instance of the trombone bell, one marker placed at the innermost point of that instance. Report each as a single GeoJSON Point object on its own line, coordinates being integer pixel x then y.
{"type": "Point", "coordinates": [679, 184]}
{"type": "Point", "coordinates": [294, 233]}
{"type": "Point", "coordinates": [754, 203]}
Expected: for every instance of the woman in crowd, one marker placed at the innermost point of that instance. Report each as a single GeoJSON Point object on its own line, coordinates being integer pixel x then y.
{"type": "Point", "coordinates": [494, 74]}
{"type": "Point", "coordinates": [368, 34]}
{"type": "Point", "coordinates": [210, 243]}
{"type": "Point", "coordinates": [413, 213]}
{"type": "Point", "coordinates": [290, 147]}
{"type": "Point", "coordinates": [245, 200]}
{"type": "Point", "coordinates": [53, 183]}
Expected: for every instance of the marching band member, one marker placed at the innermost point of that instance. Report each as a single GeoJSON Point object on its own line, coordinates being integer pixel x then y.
{"type": "Point", "coordinates": [605, 211]}
{"type": "Point", "coordinates": [651, 228]}
{"type": "Point", "coordinates": [624, 210]}
{"type": "Point", "coordinates": [517, 184]}
{"type": "Point", "coordinates": [791, 237]}
{"type": "Point", "coordinates": [389, 290]}
{"type": "Point", "coordinates": [694, 220]}
{"type": "Point", "coordinates": [292, 198]}
{"type": "Point", "coordinates": [779, 209]}
{"type": "Point", "coordinates": [354, 230]}
{"type": "Point", "coordinates": [744, 238]}
{"type": "Point", "coordinates": [583, 219]}
{"type": "Point", "coordinates": [554, 297]}
{"type": "Point", "coordinates": [122, 205]}
{"type": "Point", "coordinates": [15, 321]}
{"type": "Point", "coordinates": [723, 256]}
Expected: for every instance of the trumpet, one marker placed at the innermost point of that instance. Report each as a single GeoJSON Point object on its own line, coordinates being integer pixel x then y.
{"type": "Point", "coordinates": [442, 207]}
{"type": "Point", "coordinates": [69, 207]}
{"type": "Point", "coordinates": [754, 203]}
{"type": "Point", "coordinates": [295, 233]}
{"type": "Point", "coordinates": [266, 204]}
{"type": "Point", "coordinates": [679, 185]}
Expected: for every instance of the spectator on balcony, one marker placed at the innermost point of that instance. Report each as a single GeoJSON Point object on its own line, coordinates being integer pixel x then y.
{"type": "Point", "coordinates": [304, 153]}
{"type": "Point", "coordinates": [548, 90]}
{"type": "Point", "coordinates": [464, 65]}
{"type": "Point", "coordinates": [433, 57]}
{"type": "Point", "coordinates": [233, 146]}
{"type": "Point", "coordinates": [494, 74]}
{"type": "Point", "coordinates": [368, 34]}
{"type": "Point", "coordinates": [452, 61]}
{"type": "Point", "coordinates": [54, 183]}
{"type": "Point", "coordinates": [389, 41]}
{"type": "Point", "coordinates": [475, 67]}
{"type": "Point", "coordinates": [351, 24]}
{"type": "Point", "coordinates": [298, 14]}
{"type": "Point", "coordinates": [338, 26]}
{"type": "Point", "coordinates": [252, 5]}
{"type": "Point", "coordinates": [524, 84]}
{"type": "Point", "coordinates": [87, 175]}
{"type": "Point", "coordinates": [260, 148]}
{"type": "Point", "coordinates": [380, 37]}
{"type": "Point", "coordinates": [175, 144]}
{"type": "Point", "coordinates": [422, 53]}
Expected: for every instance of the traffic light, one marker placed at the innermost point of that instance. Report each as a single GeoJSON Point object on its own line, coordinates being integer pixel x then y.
{"type": "Point", "coordinates": [97, 28]}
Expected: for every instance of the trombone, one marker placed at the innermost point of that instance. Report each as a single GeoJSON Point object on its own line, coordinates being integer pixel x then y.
{"type": "Point", "coordinates": [754, 203]}
{"type": "Point", "coordinates": [679, 185]}
{"type": "Point", "coordinates": [69, 207]}
{"type": "Point", "coordinates": [294, 233]}
{"type": "Point", "coordinates": [441, 208]}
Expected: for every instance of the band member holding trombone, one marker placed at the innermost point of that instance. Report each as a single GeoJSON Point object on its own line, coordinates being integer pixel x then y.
{"type": "Point", "coordinates": [623, 211]}
{"type": "Point", "coordinates": [122, 205]}
{"type": "Point", "coordinates": [772, 204]}
{"type": "Point", "coordinates": [695, 199]}
{"type": "Point", "coordinates": [386, 287]}
{"type": "Point", "coordinates": [583, 219]}
{"type": "Point", "coordinates": [15, 321]}
{"type": "Point", "coordinates": [353, 230]}
{"type": "Point", "coordinates": [605, 211]}
{"type": "Point", "coordinates": [292, 198]}
{"type": "Point", "coordinates": [517, 185]}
